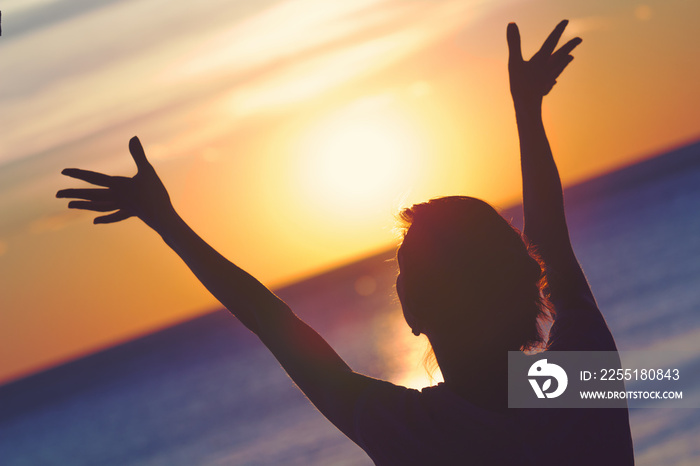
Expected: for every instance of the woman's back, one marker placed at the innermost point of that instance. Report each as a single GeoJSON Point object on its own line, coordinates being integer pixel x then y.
{"type": "Point", "coordinates": [396, 425]}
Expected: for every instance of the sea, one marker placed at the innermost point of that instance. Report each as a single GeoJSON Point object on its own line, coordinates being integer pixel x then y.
{"type": "Point", "coordinates": [206, 392]}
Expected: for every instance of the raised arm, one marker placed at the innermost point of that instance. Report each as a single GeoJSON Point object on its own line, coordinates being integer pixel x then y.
{"type": "Point", "coordinates": [579, 323]}
{"type": "Point", "coordinates": [315, 367]}
{"type": "Point", "coordinates": [543, 203]}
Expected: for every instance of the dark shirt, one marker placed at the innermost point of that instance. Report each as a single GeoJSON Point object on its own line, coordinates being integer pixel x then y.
{"type": "Point", "coordinates": [400, 426]}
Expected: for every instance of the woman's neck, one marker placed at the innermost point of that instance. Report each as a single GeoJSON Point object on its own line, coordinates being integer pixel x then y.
{"type": "Point", "coordinates": [479, 376]}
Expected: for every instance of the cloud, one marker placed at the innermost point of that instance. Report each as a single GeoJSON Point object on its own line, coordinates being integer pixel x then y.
{"type": "Point", "coordinates": [273, 56]}
{"type": "Point", "coordinates": [15, 7]}
{"type": "Point", "coordinates": [282, 31]}
{"type": "Point", "coordinates": [376, 40]}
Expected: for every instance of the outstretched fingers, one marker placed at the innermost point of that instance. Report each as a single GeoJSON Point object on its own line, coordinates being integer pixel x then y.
{"type": "Point", "coordinates": [561, 58]}
{"type": "Point", "coordinates": [95, 206]}
{"type": "Point", "coordinates": [551, 42]}
{"type": "Point", "coordinates": [113, 218]}
{"type": "Point", "coordinates": [567, 48]}
{"type": "Point", "coordinates": [87, 194]}
{"type": "Point", "coordinates": [116, 193]}
{"type": "Point", "coordinates": [95, 178]}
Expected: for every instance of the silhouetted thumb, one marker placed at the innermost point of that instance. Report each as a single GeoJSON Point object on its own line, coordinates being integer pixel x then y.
{"type": "Point", "coordinates": [138, 154]}
{"type": "Point", "coordinates": [513, 37]}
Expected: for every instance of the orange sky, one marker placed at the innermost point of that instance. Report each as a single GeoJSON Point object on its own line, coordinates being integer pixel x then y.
{"type": "Point", "coordinates": [289, 133]}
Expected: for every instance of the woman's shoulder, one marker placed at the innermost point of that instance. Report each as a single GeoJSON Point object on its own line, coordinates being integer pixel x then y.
{"type": "Point", "coordinates": [399, 425]}
{"type": "Point", "coordinates": [436, 397]}
{"type": "Point", "coordinates": [434, 411]}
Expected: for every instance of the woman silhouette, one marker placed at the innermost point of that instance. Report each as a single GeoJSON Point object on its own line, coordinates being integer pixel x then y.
{"type": "Point", "coordinates": [468, 280]}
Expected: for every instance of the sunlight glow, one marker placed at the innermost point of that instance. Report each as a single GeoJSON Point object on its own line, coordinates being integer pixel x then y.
{"type": "Point", "coordinates": [404, 354]}
{"type": "Point", "coordinates": [367, 153]}
{"type": "Point", "coordinates": [316, 69]}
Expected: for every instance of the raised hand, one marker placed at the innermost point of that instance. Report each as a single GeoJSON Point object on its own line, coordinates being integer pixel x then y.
{"type": "Point", "coordinates": [142, 195]}
{"type": "Point", "coordinates": [533, 79]}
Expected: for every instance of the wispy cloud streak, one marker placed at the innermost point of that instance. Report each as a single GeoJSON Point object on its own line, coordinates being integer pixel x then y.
{"type": "Point", "coordinates": [91, 71]}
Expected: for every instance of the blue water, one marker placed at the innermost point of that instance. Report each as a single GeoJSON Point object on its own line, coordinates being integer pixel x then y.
{"type": "Point", "coordinates": [207, 393]}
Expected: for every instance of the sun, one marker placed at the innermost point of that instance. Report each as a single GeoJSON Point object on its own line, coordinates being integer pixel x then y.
{"type": "Point", "coordinates": [364, 156]}
{"type": "Point", "coordinates": [356, 160]}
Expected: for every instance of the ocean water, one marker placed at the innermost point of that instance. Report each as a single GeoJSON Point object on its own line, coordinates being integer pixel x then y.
{"type": "Point", "coordinates": [206, 392]}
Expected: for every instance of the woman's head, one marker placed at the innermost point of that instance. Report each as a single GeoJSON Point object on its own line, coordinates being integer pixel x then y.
{"type": "Point", "coordinates": [467, 275]}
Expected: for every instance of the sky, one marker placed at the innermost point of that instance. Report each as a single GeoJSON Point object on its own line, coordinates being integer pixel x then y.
{"type": "Point", "coordinates": [289, 133]}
